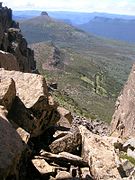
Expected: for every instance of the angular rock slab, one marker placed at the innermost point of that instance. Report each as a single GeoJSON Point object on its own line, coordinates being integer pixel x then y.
{"type": "Point", "coordinates": [99, 153]}
{"type": "Point", "coordinates": [7, 92]}
{"type": "Point", "coordinates": [68, 143]}
{"type": "Point", "coordinates": [23, 134]}
{"type": "Point", "coordinates": [123, 121]}
{"type": "Point", "coordinates": [42, 166]}
{"type": "Point", "coordinates": [31, 88]}
{"type": "Point", "coordinates": [11, 147]}
{"type": "Point", "coordinates": [64, 158]}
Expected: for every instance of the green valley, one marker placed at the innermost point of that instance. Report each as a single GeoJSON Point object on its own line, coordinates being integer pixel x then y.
{"type": "Point", "coordinates": [90, 71]}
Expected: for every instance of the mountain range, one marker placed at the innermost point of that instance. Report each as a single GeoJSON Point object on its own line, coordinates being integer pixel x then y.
{"type": "Point", "coordinates": [90, 71]}
{"type": "Point", "coordinates": [73, 17]}
{"type": "Point", "coordinates": [113, 28]}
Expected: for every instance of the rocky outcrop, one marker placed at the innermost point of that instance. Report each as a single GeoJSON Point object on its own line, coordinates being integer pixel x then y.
{"type": "Point", "coordinates": [97, 157]}
{"type": "Point", "coordinates": [100, 155]}
{"type": "Point", "coordinates": [18, 47]}
{"type": "Point", "coordinates": [54, 59]}
{"type": "Point", "coordinates": [123, 121]}
{"type": "Point", "coordinates": [31, 108]}
{"type": "Point", "coordinates": [45, 135]}
{"type": "Point", "coordinates": [12, 41]}
{"type": "Point", "coordinates": [5, 21]}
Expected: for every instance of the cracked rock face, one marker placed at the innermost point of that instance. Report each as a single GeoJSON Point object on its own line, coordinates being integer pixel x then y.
{"type": "Point", "coordinates": [123, 121]}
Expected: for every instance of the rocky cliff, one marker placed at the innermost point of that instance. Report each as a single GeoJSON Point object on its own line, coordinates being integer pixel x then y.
{"type": "Point", "coordinates": [123, 121]}
{"type": "Point", "coordinates": [12, 41]}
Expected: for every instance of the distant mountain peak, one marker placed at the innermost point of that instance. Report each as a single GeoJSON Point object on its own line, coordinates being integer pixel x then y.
{"type": "Point", "coordinates": [44, 13]}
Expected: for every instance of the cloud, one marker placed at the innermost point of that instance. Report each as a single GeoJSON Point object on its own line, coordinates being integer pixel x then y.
{"type": "Point", "coordinates": [111, 6]}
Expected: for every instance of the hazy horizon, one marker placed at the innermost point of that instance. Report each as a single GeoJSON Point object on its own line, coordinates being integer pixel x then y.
{"type": "Point", "coordinates": [122, 7]}
{"type": "Point", "coordinates": [66, 11]}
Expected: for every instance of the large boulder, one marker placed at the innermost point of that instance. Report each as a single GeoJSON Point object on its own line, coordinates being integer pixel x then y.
{"type": "Point", "coordinates": [11, 147]}
{"type": "Point", "coordinates": [7, 92]}
{"type": "Point", "coordinates": [30, 88]}
{"type": "Point", "coordinates": [8, 61]}
{"type": "Point", "coordinates": [31, 109]}
{"type": "Point", "coordinates": [100, 154]}
{"type": "Point", "coordinates": [123, 121]}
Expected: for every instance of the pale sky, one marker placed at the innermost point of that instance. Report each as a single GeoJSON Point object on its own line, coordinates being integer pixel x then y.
{"type": "Point", "coordinates": [110, 6]}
